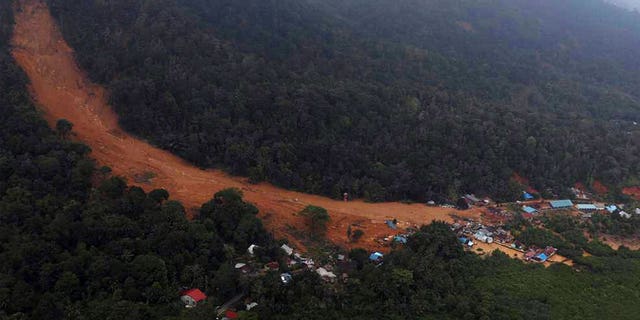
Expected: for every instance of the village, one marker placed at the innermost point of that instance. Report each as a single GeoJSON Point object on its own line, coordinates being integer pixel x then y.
{"type": "Point", "coordinates": [483, 235]}
{"type": "Point", "coordinates": [335, 270]}
{"type": "Point", "coordinates": [489, 232]}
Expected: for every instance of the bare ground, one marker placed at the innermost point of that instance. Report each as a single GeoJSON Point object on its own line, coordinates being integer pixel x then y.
{"type": "Point", "coordinates": [62, 90]}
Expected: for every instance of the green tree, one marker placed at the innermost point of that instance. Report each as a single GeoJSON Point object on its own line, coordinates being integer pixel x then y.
{"type": "Point", "coordinates": [63, 127]}
{"type": "Point", "coordinates": [357, 235]}
{"type": "Point", "coordinates": [317, 218]}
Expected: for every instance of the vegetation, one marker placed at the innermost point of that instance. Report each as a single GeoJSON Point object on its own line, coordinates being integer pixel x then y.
{"type": "Point", "coordinates": [317, 217]}
{"type": "Point", "coordinates": [357, 234]}
{"type": "Point", "coordinates": [73, 250]}
{"type": "Point", "coordinates": [70, 251]}
{"type": "Point", "coordinates": [386, 100]}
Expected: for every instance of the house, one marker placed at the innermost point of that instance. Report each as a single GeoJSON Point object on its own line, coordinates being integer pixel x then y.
{"type": "Point", "coordinates": [484, 236]}
{"type": "Point", "coordinates": [549, 251]}
{"type": "Point", "coordinates": [309, 263]}
{"type": "Point", "coordinates": [251, 305]}
{"type": "Point", "coordinates": [586, 207]}
{"type": "Point", "coordinates": [376, 256]}
{"type": "Point", "coordinates": [251, 249]}
{"type": "Point", "coordinates": [273, 265]}
{"type": "Point", "coordinates": [191, 297]}
{"type": "Point", "coordinates": [230, 315]}
{"type": "Point", "coordinates": [400, 239]}
{"type": "Point", "coordinates": [637, 210]}
{"type": "Point", "coordinates": [326, 275]}
{"type": "Point", "coordinates": [243, 267]}
{"type": "Point", "coordinates": [561, 204]}
{"type": "Point", "coordinates": [517, 245]}
{"type": "Point", "coordinates": [527, 196]}
{"type": "Point", "coordinates": [529, 254]}
{"type": "Point", "coordinates": [471, 199]}
{"type": "Point", "coordinates": [466, 241]}
{"type": "Point", "coordinates": [540, 257]}
{"type": "Point", "coordinates": [288, 250]}
{"type": "Point", "coordinates": [624, 214]}
{"type": "Point", "coordinates": [611, 208]}
{"type": "Point", "coordinates": [529, 210]}
{"type": "Point", "coordinates": [391, 224]}
{"type": "Point", "coordinates": [286, 278]}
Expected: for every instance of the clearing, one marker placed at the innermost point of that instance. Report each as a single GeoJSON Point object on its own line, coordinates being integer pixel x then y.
{"type": "Point", "coordinates": [62, 90]}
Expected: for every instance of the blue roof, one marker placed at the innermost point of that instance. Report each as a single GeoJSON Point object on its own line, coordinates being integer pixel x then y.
{"type": "Point", "coordinates": [391, 224]}
{"type": "Point", "coordinates": [463, 239]}
{"type": "Point", "coordinates": [528, 209]}
{"type": "Point", "coordinates": [582, 206]}
{"type": "Point", "coordinates": [612, 208]}
{"type": "Point", "coordinates": [526, 195]}
{"type": "Point", "coordinates": [543, 257]}
{"type": "Point", "coordinates": [401, 239]}
{"type": "Point", "coordinates": [375, 256]}
{"type": "Point", "coordinates": [561, 204]}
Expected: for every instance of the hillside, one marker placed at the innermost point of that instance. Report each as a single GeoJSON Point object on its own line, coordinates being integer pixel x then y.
{"type": "Point", "coordinates": [385, 100]}
{"type": "Point", "coordinates": [62, 91]}
{"type": "Point", "coordinates": [77, 242]}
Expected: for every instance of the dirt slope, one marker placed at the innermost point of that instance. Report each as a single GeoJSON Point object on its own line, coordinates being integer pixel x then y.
{"type": "Point", "coordinates": [62, 90]}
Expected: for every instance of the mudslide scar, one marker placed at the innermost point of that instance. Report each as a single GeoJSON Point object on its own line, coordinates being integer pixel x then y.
{"type": "Point", "coordinates": [61, 90]}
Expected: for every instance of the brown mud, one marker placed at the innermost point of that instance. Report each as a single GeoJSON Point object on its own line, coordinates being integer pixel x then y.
{"type": "Point", "coordinates": [61, 90]}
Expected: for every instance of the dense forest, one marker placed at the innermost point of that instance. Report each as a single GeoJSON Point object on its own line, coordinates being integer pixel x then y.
{"type": "Point", "coordinates": [410, 99]}
{"type": "Point", "coordinates": [78, 243]}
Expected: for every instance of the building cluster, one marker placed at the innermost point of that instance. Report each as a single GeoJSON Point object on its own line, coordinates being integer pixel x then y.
{"type": "Point", "coordinates": [469, 230]}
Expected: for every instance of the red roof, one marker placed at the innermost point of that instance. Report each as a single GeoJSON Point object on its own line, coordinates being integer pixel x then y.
{"type": "Point", "coordinates": [231, 315]}
{"type": "Point", "coordinates": [195, 294]}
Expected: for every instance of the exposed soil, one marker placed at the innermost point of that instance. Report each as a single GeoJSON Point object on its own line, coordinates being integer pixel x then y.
{"type": "Point", "coordinates": [523, 181]}
{"type": "Point", "coordinates": [632, 191]}
{"type": "Point", "coordinates": [616, 242]}
{"type": "Point", "coordinates": [62, 90]}
{"type": "Point", "coordinates": [490, 247]}
{"type": "Point", "coordinates": [600, 188]}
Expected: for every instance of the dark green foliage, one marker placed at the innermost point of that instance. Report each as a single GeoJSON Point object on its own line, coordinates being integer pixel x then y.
{"type": "Point", "coordinates": [614, 224]}
{"type": "Point", "coordinates": [357, 235]}
{"type": "Point", "coordinates": [63, 127]}
{"type": "Point", "coordinates": [70, 251]}
{"type": "Point", "coordinates": [384, 99]}
{"type": "Point", "coordinates": [317, 217]}
{"type": "Point", "coordinates": [233, 219]}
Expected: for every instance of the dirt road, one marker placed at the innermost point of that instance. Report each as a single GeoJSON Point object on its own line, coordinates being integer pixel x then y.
{"type": "Point", "coordinates": [62, 90]}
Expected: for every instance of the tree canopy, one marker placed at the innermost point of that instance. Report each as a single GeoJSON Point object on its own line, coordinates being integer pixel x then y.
{"type": "Point", "coordinates": [386, 100]}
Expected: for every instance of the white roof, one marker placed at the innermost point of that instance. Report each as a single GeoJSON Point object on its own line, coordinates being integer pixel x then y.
{"type": "Point", "coordinates": [287, 249]}
{"type": "Point", "coordinates": [252, 305]}
{"type": "Point", "coordinates": [250, 249]}
{"type": "Point", "coordinates": [239, 265]}
{"type": "Point", "coordinates": [324, 273]}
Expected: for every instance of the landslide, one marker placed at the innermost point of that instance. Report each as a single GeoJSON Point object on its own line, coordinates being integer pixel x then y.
{"type": "Point", "coordinates": [62, 90]}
